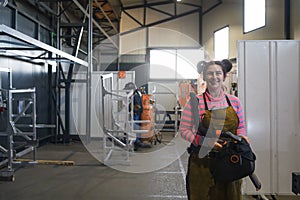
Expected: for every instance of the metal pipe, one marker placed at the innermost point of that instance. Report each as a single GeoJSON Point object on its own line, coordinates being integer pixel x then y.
{"type": "Point", "coordinates": [116, 139]}
{"type": "Point", "coordinates": [56, 93]}
{"type": "Point", "coordinates": [3, 149]}
{"type": "Point", "coordinates": [287, 19]}
{"type": "Point", "coordinates": [22, 37]}
{"type": "Point", "coordinates": [200, 27]}
{"type": "Point", "coordinates": [89, 72]}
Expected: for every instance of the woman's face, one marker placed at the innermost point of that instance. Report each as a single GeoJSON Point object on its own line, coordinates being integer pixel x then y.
{"type": "Point", "coordinates": [214, 77]}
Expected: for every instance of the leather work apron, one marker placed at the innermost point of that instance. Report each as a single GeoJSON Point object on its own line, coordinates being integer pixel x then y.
{"type": "Point", "coordinates": [199, 181]}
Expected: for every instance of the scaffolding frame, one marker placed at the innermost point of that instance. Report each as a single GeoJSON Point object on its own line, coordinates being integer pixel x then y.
{"type": "Point", "coordinates": [110, 125]}
{"type": "Point", "coordinates": [21, 123]}
{"type": "Point", "coordinates": [46, 55]}
{"type": "Point", "coordinates": [107, 121]}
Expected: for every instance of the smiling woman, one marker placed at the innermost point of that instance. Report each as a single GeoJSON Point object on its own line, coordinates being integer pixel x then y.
{"type": "Point", "coordinates": [217, 112]}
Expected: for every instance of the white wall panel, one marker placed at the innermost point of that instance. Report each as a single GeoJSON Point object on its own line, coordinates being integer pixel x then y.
{"type": "Point", "coordinates": [256, 98]}
{"type": "Point", "coordinates": [287, 88]}
{"type": "Point", "coordinates": [78, 116]}
{"type": "Point", "coordinates": [165, 94]}
{"type": "Point", "coordinates": [269, 90]}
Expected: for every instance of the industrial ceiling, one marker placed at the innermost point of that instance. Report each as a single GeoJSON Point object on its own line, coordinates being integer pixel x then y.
{"type": "Point", "coordinates": [73, 15]}
{"type": "Point", "coordinates": [107, 13]}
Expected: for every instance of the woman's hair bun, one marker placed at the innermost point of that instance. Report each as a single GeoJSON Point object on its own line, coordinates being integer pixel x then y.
{"type": "Point", "coordinates": [227, 65]}
{"type": "Point", "coordinates": [200, 66]}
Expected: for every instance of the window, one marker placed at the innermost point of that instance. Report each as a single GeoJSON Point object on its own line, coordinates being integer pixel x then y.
{"type": "Point", "coordinates": [254, 14]}
{"type": "Point", "coordinates": [221, 43]}
{"type": "Point", "coordinates": [174, 64]}
{"type": "Point", "coordinates": [26, 25]}
{"type": "Point", "coordinates": [6, 16]}
{"type": "Point", "coordinates": [45, 35]}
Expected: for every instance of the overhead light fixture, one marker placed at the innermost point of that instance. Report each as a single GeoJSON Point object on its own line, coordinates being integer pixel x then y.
{"type": "Point", "coordinates": [178, 0]}
{"type": "Point", "coordinates": [3, 3]}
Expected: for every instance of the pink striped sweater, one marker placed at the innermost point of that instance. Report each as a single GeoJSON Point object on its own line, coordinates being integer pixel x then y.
{"type": "Point", "coordinates": [186, 122]}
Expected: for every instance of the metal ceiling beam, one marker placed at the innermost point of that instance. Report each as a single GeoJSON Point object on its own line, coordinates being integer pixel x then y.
{"type": "Point", "coordinates": [212, 7]}
{"type": "Point", "coordinates": [174, 17]}
{"type": "Point", "coordinates": [170, 16]}
{"type": "Point", "coordinates": [68, 25]}
{"type": "Point", "coordinates": [95, 23]}
{"type": "Point", "coordinates": [5, 30]}
{"type": "Point", "coordinates": [161, 11]}
{"type": "Point", "coordinates": [104, 13]}
{"type": "Point", "coordinates": [148, 4]}
{"type": "Point", "coordinates": [159, 21]}
{"type": "Point", "coordinates": [134, 19]}
{"type": "Point", "coordinates": [54, 0]}
{"type": "Point", "coordinates": [190, 4]}
{"type": "Point", "coordinates": [114, 4]}
{"type": "Point", "coordinates": [46, 7]}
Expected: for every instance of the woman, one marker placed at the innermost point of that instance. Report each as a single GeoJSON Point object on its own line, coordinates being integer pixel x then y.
{"type": "Point", "coordinates": [218, 112]}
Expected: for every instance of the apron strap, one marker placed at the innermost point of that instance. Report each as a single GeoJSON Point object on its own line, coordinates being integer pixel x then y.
{"type": "Point", "coordinates": [228, 101]}
{"type": "Point", "coordinates": [206, 107]}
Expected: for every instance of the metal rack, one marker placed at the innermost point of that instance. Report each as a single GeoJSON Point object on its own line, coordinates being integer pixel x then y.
{"type": "Point", "coordinates": [167, 110]}
{"type": "Point", "coordinates": [20, 130]}
{"type": "Point", "coordinates": [50, 57]}
{"type": "Point", "coordinates": [160, 121]}
{"type": "Point", "coordinates": [116, 121]}
{"type": "Point", "coordinates": [167, 125]}
{"type": "Point", "coordinates": [108, 122]}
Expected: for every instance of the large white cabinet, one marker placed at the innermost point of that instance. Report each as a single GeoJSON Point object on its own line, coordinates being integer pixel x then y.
{"type": "Point", "coordinates": [269, 88]}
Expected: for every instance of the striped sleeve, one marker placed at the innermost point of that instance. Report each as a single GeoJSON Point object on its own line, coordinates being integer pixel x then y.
{"type": "Point", "coordinates": [187, 129]}
{"type": "Point", "coordinates": [186, 123]}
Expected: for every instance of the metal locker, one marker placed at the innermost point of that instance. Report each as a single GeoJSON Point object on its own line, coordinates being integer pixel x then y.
{"type": "Point", "coordinates": [268, 86]}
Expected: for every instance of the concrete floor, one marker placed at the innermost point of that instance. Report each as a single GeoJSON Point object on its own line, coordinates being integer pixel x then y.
{"type": "Point", "coordinates": [89, 179]}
